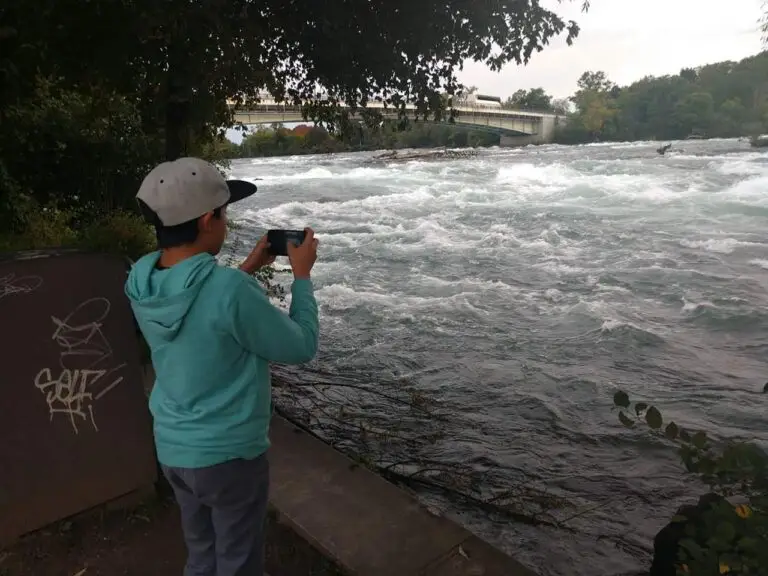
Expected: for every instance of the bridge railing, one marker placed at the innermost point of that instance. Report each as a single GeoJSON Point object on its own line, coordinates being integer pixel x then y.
{"type": "Point", "coordinates": [272, 106]}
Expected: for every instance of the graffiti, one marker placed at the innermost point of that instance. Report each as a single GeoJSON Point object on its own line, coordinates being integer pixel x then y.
{"type": "Point", "coordinates": [86, 372]}
{"type": "Point", "coordinates": [10, 284]}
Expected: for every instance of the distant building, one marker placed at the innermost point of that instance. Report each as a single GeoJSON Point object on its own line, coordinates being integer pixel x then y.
{"type": "Point", "coordinates": [479, 101]}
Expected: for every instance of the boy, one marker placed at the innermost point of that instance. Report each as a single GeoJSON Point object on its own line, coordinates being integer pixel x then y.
{"type": "Point", "coordinates": [212, 332]}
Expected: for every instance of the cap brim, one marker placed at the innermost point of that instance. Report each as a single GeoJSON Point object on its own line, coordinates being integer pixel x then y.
{"type": "Point", "coordinates": [239, 189]}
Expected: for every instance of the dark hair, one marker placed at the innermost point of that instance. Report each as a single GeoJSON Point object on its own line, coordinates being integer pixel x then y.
{"type": "Point", "coordinates": [179, 235]}
{"type": "Point", "coordinates": [173, 236]}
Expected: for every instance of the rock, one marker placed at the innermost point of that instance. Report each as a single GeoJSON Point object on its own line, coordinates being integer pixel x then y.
{"type": "Point", "coordinates": [441, 154]}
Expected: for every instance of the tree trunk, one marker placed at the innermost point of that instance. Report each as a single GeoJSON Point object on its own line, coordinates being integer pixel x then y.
{"type": "Point", "coordinates": [177, 104]}
{"type": "Point", "coordinates": [176, 127]}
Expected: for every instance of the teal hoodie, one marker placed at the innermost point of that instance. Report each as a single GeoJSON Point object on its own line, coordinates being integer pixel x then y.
{"type": "Point", "coordinates": [212, 332]}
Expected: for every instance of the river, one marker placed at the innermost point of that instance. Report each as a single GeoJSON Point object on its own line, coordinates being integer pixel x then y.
{"type": "Point", "coordinates": [523, 287]}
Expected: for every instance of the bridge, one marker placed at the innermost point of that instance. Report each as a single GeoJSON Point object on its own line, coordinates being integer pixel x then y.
{"type": "Point", "coordinates": [516, 127]}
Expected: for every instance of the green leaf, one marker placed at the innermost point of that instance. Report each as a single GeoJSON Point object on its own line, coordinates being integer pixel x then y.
{"type": "Point", "coordinates": [717, 544]}
{"type": "Point", "coordinates": [7, 32]}
{"type": "Point", "coordinates": [624, 419]}
{"type": "Point", "coordinates": [640, 407]}
{"type": "Point", "coordinates": [621, 399]}
{"type": "Point", "coordinates": [671, 431]}
{"type": "Point", "coordinates": [695, 551]}
{"type": "Point", "coordinates": [699, 440]}
{"type": "Point", "coordinates": [653, 418]}
{"type": "Point", "coordinates": [684, 435]}
{"type": "Point", "coordinates": [747, 543]}
{"type": "Point", "coordinates": [726, 531]}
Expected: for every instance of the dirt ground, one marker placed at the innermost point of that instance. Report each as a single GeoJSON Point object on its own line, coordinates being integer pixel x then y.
{"type": "Point", "coordinates": [144, 540]}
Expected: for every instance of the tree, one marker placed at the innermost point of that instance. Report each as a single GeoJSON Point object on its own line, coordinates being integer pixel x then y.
{"type": "Point", "coordinates": [93, 93]}
{"type": "Point", "coordinates": [514, 101]}
{"type": "Point", "coordinates": [730, 117]}
{"type": "Point", "coordinates": [533, 99]}
{"type": "Point", "coordinates": [597, 110]}
{"type": "Point", "coordinates": [695, 113]}
{"type": "Point", "coordinates": [764, 23]}
{"type": "Point", "coordinates": [596, 106]}
{"type": "Point", "coordinates": [724, 99]}
{"type": "Point", "coordinates": [689, 74]}
{"type": "Point", "coordinates": [595, 82]}
{"type": "Point", "coordinates": [191, 56]}
{"type": "Point", "coordinates": [561, 106]}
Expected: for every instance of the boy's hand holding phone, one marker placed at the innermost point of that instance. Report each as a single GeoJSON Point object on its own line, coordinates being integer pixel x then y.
{"type": "Point", "coordinates": [299, 245]}
{"type": "Point", "coordinates": [259, 257]}
{"type": "Point", "coordinates": [302, 256]}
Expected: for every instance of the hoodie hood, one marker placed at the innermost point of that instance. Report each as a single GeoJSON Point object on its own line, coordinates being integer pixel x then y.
{"type": "Point", "coordinates": [161, 299]}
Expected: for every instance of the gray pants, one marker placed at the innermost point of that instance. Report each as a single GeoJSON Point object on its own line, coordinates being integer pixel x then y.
{"type": "Point", "coordinates": [223, 509]}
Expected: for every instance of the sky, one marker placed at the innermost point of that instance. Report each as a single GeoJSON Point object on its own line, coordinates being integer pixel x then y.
{"type": "Point", "coordinates": [629, 39]}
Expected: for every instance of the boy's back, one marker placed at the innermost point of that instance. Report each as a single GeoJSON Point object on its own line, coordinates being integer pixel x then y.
{"type": "Point", "coordinates": [212, 331]}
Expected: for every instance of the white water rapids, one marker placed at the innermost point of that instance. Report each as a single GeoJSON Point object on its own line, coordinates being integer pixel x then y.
{"type": "Point", "coordinates": [522, 287]}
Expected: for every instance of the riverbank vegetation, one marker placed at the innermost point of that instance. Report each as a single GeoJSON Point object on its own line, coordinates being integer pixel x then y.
{"type": "Point", "coordinates": [280, 141]}
{"type": "Point", "coordinates": [728, 534]}
{"type": "Point", "coordinates": [723, 100]}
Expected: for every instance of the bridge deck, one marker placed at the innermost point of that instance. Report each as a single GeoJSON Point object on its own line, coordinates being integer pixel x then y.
{"type": "Point", "coordinates": [512, 123]}
{"type": "Point", "coordinates": [272, 106]}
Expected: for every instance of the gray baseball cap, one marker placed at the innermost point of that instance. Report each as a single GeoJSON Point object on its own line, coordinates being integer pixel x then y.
{"type": "Point", "coordinates": [185, 189]}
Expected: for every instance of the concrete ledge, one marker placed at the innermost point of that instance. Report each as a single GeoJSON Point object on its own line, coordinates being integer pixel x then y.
{"type": "Point", "coordinates": [365, 524]}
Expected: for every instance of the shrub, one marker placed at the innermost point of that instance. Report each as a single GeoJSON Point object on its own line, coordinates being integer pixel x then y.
{"type": "Point", "coordinates": [120, 232]}
{"type": "Point", "coordinates": [732, 537]}
{"type": "Point", "coordinates": [38, 227]}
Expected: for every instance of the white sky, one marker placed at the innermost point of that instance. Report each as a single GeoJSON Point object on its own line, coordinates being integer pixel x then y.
{"type": "Point", "coordinates": [629, 39]}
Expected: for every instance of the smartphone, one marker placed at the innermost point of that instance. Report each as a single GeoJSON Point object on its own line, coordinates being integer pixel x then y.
{"type": "Point", "coordinates": [278, 240]}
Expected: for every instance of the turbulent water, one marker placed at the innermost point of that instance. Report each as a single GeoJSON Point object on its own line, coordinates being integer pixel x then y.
{"type": "Point", "coordinates": [523, 286]}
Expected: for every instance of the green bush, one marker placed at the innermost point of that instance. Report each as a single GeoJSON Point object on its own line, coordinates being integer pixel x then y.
{"type": "Point", "coordinates": [731, 537]}
{"type": "Point", "coordinates": [38, 227]}
{"type": "Point", "coordinates": [120, 232]}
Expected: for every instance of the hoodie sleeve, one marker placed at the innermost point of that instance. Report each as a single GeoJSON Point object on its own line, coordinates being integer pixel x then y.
{"type": "Point", "coordinates": [266, 331]}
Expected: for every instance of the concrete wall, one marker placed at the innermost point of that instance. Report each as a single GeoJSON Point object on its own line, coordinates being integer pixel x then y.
{"type": "Point", "coordinates": [365, 524]}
